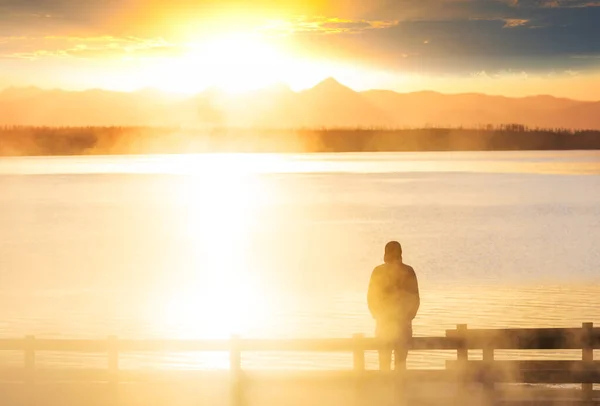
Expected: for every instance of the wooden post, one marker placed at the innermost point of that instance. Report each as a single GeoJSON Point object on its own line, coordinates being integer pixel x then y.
{"type": "Point", "coordinates": [462, 353]}
{"type": "Point", "coordinates": [462, 356]}
{"type": "Point", "coordinates": [587, 355]}
{"type": "Point", "coordinates": [358, 361]}
{"type": "Point", "coordinates": [30, 369]}
{"type": "Point", "coordinates": [235, 369]}
{"type": "Point", "coordinates": [489, 378]}
{"type": "Point", "coordinates": [113, 369]}
{"type": "Point", "coordinates": [359, 353]}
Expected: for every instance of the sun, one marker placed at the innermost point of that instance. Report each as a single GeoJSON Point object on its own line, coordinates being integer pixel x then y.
{"type": "Point", "coordinates": [234, 62]}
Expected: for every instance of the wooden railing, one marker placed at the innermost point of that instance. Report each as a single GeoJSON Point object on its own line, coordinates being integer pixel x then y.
{"type": "Point", "coordinates": [487, 371]}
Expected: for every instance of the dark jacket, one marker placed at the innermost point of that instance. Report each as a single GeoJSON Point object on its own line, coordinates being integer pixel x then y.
{"type": "Point", "coordinates": [393, 292]}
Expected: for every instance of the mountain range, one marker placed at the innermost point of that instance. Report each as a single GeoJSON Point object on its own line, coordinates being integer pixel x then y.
{"type": "Point", "coordinates": [328, 104]}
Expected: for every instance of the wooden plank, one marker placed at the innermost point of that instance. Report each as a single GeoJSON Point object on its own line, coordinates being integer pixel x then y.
{"type": "Point", "coordinates": [173, 345]}
{"type": "Point", "coordinates": [531, 365]}
{"type": "Point", "coordinates": [412, 375]}
{"type": "Point", "coordinates": [564, 402]}
{"type": "Point", "coordinates": [556, 376]}
{"type": "Point", "coordinates": [71, 345]}
{"type": "Point", "coordinates": [544, 338]}
{"type": "Point", "coordinates": [538, 338]}
{"type": "Point", "coordinates": [73, 375]}
{"type": "Point", "coordinates": [519, 392]}
{"type": "Point", "coordinates": [251, 345]}
{"type": "Point", "coordinates": [308, 345]}
{"type": "Point", "coordinates": [343, 345]}
{"type": "Point", "coordinates": [102, 375]}
{"type": "Point", "coordinates": [528, 371]}
{"type": "Point", "coordinates": [171, 376]}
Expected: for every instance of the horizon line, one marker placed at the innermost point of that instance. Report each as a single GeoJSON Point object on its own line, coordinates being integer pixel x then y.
{"type": "Point", "coordinates": [234, 94]}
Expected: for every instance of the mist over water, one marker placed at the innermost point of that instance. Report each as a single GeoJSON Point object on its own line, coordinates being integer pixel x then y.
{"type": "Point", "coordinates": [283, 246]}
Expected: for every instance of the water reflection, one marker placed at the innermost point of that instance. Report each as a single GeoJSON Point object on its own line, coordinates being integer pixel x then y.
{"type": "Point", "coordinates": [222, 248]}
{"type": "Point", "coordinates": [216, 292]}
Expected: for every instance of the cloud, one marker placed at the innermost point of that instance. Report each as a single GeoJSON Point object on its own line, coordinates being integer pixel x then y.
{"type": "Point", "coordinates": [34, 48]}
{"type": "Point", "coordinates": [515, 22]}
{"type": "Point", "coordinates": [323, 25]}
{"type": "Point", "coordinates": [536, 44]}
{"type": "Point", "coordinates": [552, 3]}
{"type": "Point", "coordinates": [436, 37]}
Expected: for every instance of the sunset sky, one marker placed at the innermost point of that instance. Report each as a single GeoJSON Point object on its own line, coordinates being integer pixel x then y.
{"type": "Point", "coordinates": [510, 47]}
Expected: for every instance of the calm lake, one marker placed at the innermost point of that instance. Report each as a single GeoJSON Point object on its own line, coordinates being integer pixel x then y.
{"type": "Point", "coordinates": [204, 246]}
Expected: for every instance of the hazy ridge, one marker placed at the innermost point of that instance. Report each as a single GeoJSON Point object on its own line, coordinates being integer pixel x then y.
{"type": "Point", "coordinates": [328, 104]}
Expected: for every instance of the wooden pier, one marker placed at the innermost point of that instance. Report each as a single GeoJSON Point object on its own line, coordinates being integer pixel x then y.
{"type": "Point", "coordinates": [464, 374]}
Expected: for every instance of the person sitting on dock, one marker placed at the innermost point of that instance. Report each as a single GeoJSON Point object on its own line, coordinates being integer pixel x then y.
{"type": "Point", "coordinates": [393, 300]}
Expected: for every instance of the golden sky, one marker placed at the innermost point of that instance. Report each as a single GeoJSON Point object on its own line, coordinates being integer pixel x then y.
{"type": "Point", "coordinates": [511, 47]}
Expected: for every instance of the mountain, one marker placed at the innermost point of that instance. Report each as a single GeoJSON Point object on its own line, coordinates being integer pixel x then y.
{"type": "Point", "coordinates": [328, 104]}
{"type": "Point", "coordinates": [331, 104]}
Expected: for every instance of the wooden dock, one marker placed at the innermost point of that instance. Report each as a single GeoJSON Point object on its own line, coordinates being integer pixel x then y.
{"type": "Point", "coordinates": [488, 376]}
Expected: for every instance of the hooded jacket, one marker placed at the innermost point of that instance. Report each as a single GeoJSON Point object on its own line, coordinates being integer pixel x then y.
{"type": "Point", "coordinates": [393, 293]}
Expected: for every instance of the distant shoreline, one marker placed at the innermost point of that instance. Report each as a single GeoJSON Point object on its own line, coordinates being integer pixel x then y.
{"type": "Point", "coordinates": [57, 141]}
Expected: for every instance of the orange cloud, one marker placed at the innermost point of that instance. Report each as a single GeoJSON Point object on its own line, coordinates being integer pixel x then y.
{"type": "Point", "coordinates": [514, 22]}
{"type": "Point", "coordinates": [324, 25]}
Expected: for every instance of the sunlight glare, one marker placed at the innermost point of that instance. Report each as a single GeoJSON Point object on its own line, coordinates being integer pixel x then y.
{"type": "Point", "coordinates": [235, 62]}
{"type": "Point", "coordinates": [223, 296]}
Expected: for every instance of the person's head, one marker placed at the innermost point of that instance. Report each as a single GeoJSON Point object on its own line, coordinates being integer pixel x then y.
{"type": "Point", "coordinates": [393, 252]}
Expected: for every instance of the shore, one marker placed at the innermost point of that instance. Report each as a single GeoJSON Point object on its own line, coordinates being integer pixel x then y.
{"type": "Point", "coordinates": [48, 141]}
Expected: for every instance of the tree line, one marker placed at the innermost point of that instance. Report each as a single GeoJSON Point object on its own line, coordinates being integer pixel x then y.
{"type": "Point", "coordinates": [20, 140]}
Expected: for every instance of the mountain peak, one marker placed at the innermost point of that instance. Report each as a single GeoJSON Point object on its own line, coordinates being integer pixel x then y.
{"type": "Point", "coordinates": [331, 85]}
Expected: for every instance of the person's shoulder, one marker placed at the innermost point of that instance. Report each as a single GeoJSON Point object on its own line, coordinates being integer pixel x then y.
{"type": "Point", "coordinates": [379, 269]}
{"type": "Point", "coordinates": [410, 269]}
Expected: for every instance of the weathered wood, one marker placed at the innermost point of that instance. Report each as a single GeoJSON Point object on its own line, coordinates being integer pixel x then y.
{"type": "Point", "coordinates": [462, 351]}
{"type": "Point", "coordinates": [246, 345]}
{"type": "Point", "coordinates": [488, 371]}
{"type": "Point", "coordinates": [358, 354]}
{"type": "Point", "coordinates": [587, 355]}
{"type": "Point", "coordinates": [462, 357]}
{"type": "Point", "coordinates": [565, 402]}
{"type": "Point", "coordinates": [489, 381]}
{"type": "Point", "coordinates": [528, 338]}
{"type": "Point", "coordinates": [173, 375]}
{"type": "Point", "coordinates": [532, 365]}
{"type": "Point", "coordinates": [478, 373]}
{"type": "Point", "coordinates": [546, 338]}
{"type": "Point", "coordinates": [529, 371]}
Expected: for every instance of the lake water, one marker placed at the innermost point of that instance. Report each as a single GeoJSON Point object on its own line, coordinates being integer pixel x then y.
{"type": "Point", "coordinates": [203, 246]}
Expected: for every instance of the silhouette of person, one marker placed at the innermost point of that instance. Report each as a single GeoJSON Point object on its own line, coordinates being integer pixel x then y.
{"type": "Point", "coordinates": [393, 300]}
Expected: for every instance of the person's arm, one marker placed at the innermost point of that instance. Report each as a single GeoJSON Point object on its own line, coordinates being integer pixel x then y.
{"type": "Point", "coordinates": [374, 294]}
{"type": "Point", "coordinates": [412, 290]}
